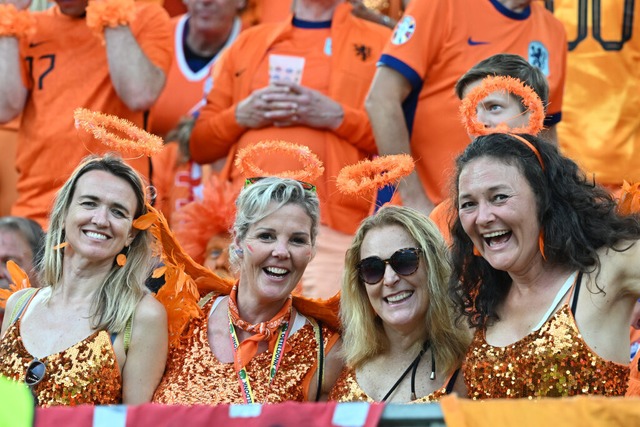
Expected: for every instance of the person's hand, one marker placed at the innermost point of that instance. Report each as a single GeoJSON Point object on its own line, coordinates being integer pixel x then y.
{"type": "Point", "coordinates": [19, 4]}
{"type": "Point", "coordinates": [295, 105]}
{"type": "Point", "coordinates": [362, 11]}
{"type": "Point", "coordinates": [250, 112]}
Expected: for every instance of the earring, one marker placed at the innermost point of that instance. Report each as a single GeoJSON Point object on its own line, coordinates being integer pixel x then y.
{"type": "Point", "coordinates": [476, 252]}
{"type": "Point", "coordinates": [541, 245]}
{"type": "Point", "coordinates": [121, 259]}
{"type": "Point", "coordinates": [239, 252]}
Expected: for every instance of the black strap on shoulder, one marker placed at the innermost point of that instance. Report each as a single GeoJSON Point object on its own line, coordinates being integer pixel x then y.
{"type": "Point", "coordinates": [320, 359]}
{"type": "Point", "coordinates": [576, 292]}
{"type": "Point", "coordinates": [452, 381]}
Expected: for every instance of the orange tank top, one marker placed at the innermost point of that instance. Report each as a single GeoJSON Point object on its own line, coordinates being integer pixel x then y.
{"type": "Point", "coordinates": [552, 361]}
{"type": "Point", "coordinates": [85, 373]}
{"type": "Point", "coordinates": [195, 376]}
{"type": "Point", "coordinates": [347, 389]}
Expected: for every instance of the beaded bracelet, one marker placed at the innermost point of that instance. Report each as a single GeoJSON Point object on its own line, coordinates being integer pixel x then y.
{"type": "Point", "coordinates": [16, 23]}
{"type": "Point", "coordinates": [109, 13]}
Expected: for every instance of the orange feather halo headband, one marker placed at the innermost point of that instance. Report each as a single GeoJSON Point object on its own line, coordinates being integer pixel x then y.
{"type": "Point", "coordinates": [367, 176]}
{"type": "Point", "coordinates": [530, 100]}
{"type": "Point", "coordinates": [311, 169]}
{"type": "Point", "coordinates": [107, 129]}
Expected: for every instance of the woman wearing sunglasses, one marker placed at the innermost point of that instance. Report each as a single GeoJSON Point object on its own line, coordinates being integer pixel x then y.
{"type": "Point", "coordinates": [255, 343]}
{"type": "Point", "coordinates": [400, 341]}
{"type": "Point", "coordinates": [92, 334]}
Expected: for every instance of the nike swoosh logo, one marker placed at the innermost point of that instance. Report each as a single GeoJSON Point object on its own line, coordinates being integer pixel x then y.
{"type": "Point", "coordinates": [475, 43]}
{"type": "Point", "coordinates": [239, 72]}
{"type": "Point", "coordinates": [32, 44]}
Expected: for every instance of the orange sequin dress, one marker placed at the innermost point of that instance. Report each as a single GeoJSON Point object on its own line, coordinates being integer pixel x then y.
{"type": "Point", "coordinates": [85, 373]}
{"type": "Point", "coordinates": [347, 389]}
{"type": "Point", "coordinates": [553, 361]}
{"type": "Point", "coordinates": [195, 376]}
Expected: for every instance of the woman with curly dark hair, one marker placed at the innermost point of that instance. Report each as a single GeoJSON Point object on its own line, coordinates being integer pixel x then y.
{"type": "Point", "coordinates": [532, 231]}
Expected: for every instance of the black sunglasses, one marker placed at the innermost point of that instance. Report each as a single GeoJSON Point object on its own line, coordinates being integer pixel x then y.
{"type": "Point", "coordinates": [403, 261]}
{"type": "Point", "coordinates": [35, 372]}
{"type": "Point", "coordinates": [305, 185]}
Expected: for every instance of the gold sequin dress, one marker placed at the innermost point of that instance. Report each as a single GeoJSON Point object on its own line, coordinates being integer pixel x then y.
{"type": "Point", "coordinates": [195, 376]}
{"type": "Point", "coordinates": [347, 389]}
{"type": "Point", "coordinates": [553, 361]}
{"type": "Point", "coordinates": [85, 373]}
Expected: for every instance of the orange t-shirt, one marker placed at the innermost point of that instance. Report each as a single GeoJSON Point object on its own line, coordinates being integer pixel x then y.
{"type": "Point", "coordinates": [341, 65]}
{"type": "Point", "coordinates": [436, 42]}
{"type": "Point", "coordinates": [65, 67]}
{"type": "Point", "coordinates": [8, 174]}
{"type": "Point", "coordinates": [600, 129]}
{"type": "Point", "coordinates": [184, 91]}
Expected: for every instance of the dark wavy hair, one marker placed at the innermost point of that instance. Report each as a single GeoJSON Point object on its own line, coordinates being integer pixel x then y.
{"type": "Point", "coordinates": [576, 217]}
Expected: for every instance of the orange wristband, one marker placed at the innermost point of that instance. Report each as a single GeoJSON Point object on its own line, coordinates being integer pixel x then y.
{"type": "Point", "coordinates": [16, 23]}
{"type": "Point", "coordinates": [109, 13]}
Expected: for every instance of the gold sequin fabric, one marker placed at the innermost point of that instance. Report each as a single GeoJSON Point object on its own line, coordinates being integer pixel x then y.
{"type": "Point", "coordinates": [195, 376]}
{"type": "Point", "coordinates": [553, 361]}
{"type": "Point", "coordinates": [85, 373]}
{"type": "Point", "coordinates": [347, 389]}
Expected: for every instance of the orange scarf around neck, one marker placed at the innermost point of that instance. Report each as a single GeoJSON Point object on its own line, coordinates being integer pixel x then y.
{"type": "Point", "coordinates": [263, 331]}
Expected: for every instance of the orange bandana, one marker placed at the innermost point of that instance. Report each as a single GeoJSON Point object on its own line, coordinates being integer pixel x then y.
{"type": "Point", "coordinates": [263, 331]}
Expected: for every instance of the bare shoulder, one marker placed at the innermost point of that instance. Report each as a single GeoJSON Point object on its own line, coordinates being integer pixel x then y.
{"type": "Point", "coordinates": [150, 310]}
{"type": "Point", "coordinates": [622, 258]}
{"type": "Point", "coordinates": [620, 268]}
{"type": "Point", "coordinates": [12, 301]}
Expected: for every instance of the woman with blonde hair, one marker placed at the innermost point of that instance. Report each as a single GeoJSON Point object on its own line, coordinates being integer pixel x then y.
{"type": "Point", "coordinates": [92, 334]}
{"type": "Point", "coordinates": [255, 342]}
{"type": "Point", "coordinates": [400, 342]}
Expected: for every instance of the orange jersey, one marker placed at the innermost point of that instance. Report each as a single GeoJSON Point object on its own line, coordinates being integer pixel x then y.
{"type": "Point", "coordinates": [65, 67]}
{"type": "Point", "coordinates": [184, 90]}
{"type": "Point", "coordinates": [259, 12]}
{"type": "Point", "coordinates": [601, 125]}
{"type": "Point", "coordinates": [8, 174]}
{"type": "Point", "coordinates": [341, 66]}
{"type": "Point", "coordinates": [436, 42]}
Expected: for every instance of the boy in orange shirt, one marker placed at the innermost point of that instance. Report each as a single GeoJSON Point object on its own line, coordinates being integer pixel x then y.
{"type": "Point", "coordinates": [498, 107]}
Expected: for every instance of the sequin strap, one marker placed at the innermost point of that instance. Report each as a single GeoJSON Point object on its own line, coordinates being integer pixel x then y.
{"type": "Point", "coordinates": [317, 329]}
{"type": "Point", "coordinates": [127, 334]}
{"type": "Point", "coordinates": [278, 352]}
{"type": "Point", "coordinates": [22, 304]}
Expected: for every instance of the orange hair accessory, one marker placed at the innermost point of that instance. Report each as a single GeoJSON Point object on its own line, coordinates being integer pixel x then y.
{"type": "Point", "coordinates": [17, 23]}
{"type": "Point", "coordinates": [530, 146]}
{"type": "Point", "coordinates": [195, 222]}
{"type": "Point", "coordinates": [629, 202]}
{"type": "Point", "coordinates": [186, 281]}
{"type": "Point", "coordinates": [109, 13]}
{"type": "Point", "coordinates": [106, 128]}
{"type": "Point", "coordinates": [541, 245]}
{"type": "Point", "coordinates": [367, 176]}
{"type": "Point", "coordinates": [20, 281]}
{"type": "Point", "coordinates": [121, 260]}
{"type": "Point", "coordinates": [311, 169]}
{"type": "Point", "coordinates": [532, 102]}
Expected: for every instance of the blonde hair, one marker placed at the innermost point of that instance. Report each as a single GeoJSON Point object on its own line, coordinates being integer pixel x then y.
{"type": "Point", "coordinates": [363, 333]}
{"type": "Point", "coordinates": [116, 299]}
{"type": "Point", "coordinates": [255, 203]}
